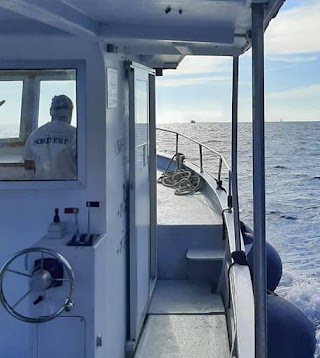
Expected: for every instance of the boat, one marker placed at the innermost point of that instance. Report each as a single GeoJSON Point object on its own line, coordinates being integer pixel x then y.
{"type": "Point", "coordinates": [192, 121]}
{"type": "Point", "coordinates": [134, 253]}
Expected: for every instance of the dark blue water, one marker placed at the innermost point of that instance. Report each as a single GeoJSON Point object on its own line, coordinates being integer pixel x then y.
{"type": "Point", "coordinates": [292, 195]}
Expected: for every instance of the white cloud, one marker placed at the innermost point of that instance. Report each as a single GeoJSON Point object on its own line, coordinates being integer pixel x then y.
{"type": "Point", "coordinates": [200, 64]}
{"type": "Point", "coordinates": [183, 82]}
{"type": "Point", "coordinates": [299, 93]}
{"type": "Point", "coordinates": [294, 59]}
{"type": "Point", "coordinates": [295, 31]}
{"type": "Point", "coordinates": [295, 104]}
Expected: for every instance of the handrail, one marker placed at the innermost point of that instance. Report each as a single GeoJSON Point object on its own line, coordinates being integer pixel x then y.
{"type": "Point", "coordinates": [222, 161]}
{"type": "Point", "coordinates": [144, 151]}
{"type": "Point", "coordinates": [142, 144]}
{"type": "Point", "coordinates": [232, 190]}
{"type": "Point", "coordinates": [195, 141]}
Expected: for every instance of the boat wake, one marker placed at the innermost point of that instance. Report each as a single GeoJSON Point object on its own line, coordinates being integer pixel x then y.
{"type": "Point", "coordinates": [304, 292]}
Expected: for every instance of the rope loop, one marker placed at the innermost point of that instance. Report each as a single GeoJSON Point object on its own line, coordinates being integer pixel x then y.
{"type": "Point", "coordinates": [184, 181]}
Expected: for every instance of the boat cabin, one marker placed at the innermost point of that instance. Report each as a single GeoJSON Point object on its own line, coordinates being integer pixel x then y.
{"type": "Point", "coordinates": [94, 265]}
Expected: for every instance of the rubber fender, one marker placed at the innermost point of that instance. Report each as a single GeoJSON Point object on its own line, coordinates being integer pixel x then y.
{"type": "Point", "coordinates": [290, 333]}
{"type": "Point", "coordinates": [274, 266]}
{"type": "Point", "coordinates": [274, 263]}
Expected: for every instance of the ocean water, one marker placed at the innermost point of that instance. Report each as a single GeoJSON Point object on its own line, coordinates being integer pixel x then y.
{"type": "Point", "coordinates": [292, 196]}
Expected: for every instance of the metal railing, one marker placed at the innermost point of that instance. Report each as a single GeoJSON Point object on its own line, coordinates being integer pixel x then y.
{"type": "Point", "coordinates": [232, 191]}
{"type": "Point", "coordinates": [222, 162]}
{"type": "Point", "coordinates": [144, 147]}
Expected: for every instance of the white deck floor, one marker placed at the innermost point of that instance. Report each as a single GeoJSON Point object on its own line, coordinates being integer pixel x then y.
{"type": "Point", "coordinates": [185, 297]}
{"type": "Point", "coordinates": [195, 207]}
{"type": "Point", "coordinates": [185, 321]}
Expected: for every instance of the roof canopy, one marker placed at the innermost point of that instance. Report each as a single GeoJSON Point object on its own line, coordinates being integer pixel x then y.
{"type": "Point", "coordinates": [160, 32]}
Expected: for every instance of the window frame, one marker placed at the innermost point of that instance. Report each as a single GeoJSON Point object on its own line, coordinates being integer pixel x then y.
{"type": "Point", "coordinates": [80, 77]}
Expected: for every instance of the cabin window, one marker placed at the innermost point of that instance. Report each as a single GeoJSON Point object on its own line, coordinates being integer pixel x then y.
{"type": "Point", "coordinates": [37, 142]}
{"type": "Point", "coordinates": [10, 108]}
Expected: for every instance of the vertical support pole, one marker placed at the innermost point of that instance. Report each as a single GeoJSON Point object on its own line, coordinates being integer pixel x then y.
{"type": "Point", "coordinates": [131, 247]}
{"type": "Point", "coordinates": [234, 150]}
{"type": "Point", "coordinates": [153, 176]}
{"type": "Point", "coordinates": [259, 263]}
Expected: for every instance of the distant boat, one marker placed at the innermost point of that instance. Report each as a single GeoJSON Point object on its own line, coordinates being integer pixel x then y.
{"type": "Point", "coordinates": [2, 102]}
{"type": "Point", "coordinates": [192, 121]}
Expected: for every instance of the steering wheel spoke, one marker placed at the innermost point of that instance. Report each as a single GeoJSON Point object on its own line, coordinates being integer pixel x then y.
{"type": "Point", "coordinates": [42, 261]}
{"type": "Point", "coordinates": [21, 299]}
{"type": "Point", "coordinates": [18, 272]}
{"type": "Point", "coordinates": [48, 301]}
{"type": "Point", "coordinates": [61, 279]}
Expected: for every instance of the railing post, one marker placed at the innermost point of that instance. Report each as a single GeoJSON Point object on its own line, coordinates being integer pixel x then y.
{"type": "Point", "coordinates": [229, 197]}
{"type": "Point", "coordinates": [144, 154]}
{"type": "Point", "coordinates": [177, 143]}
{"type": "Point", "coordinates": [219, 173]}
{"type": "Point", "coordinates": [201, 161]}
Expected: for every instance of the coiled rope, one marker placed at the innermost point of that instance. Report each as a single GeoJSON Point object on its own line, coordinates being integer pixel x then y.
{"type": "Point", "coordinates": [184, 181]}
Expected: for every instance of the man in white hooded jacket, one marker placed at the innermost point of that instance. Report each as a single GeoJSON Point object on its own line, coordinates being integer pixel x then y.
{"type": "Point", "coordinates": [51, 149]}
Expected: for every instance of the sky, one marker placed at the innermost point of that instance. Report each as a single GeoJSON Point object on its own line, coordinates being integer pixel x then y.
{"type": "Point", "coordinates": [200, 89]}
{"type": "Point", "coordinates": [11, 91]}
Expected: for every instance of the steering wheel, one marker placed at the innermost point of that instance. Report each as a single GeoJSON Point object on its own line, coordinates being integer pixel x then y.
{"type": "Point", "coordinates": [40, 281]}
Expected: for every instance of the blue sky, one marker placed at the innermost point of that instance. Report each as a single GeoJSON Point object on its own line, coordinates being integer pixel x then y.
{"type": "Point", "coordinates": [201, 87]}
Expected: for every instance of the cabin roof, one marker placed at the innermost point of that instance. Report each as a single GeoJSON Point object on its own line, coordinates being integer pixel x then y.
{"type": "Point", "coordinates": [160, 33]}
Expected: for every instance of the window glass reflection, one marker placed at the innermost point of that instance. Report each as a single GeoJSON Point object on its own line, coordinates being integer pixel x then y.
{"type": "Point", "coordinates": [50, 150]}
{"type": "Point", "coordinates": [49, 89]}
{"type": "Point", "coordinates": [142, 124]}
{"type": "Point", "coordinates": [38, 128]}
{"type": "Point", "coordinates": [10, 108]}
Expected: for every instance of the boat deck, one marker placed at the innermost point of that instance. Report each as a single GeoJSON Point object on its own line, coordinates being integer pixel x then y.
{"type": "Point", "coordinates": [186, 320]}
{"type": "Point", "coordinates": [196, 208]}
{"type": "Point", "coordinates": [190, 241]}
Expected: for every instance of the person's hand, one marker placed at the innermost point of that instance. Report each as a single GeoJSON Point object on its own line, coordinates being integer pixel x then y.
{"type": "Point", "coordinates": [29, 165]}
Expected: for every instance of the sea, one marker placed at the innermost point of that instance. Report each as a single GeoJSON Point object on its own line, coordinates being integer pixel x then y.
{"type": "Point", "coordinates": [292, 172]}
